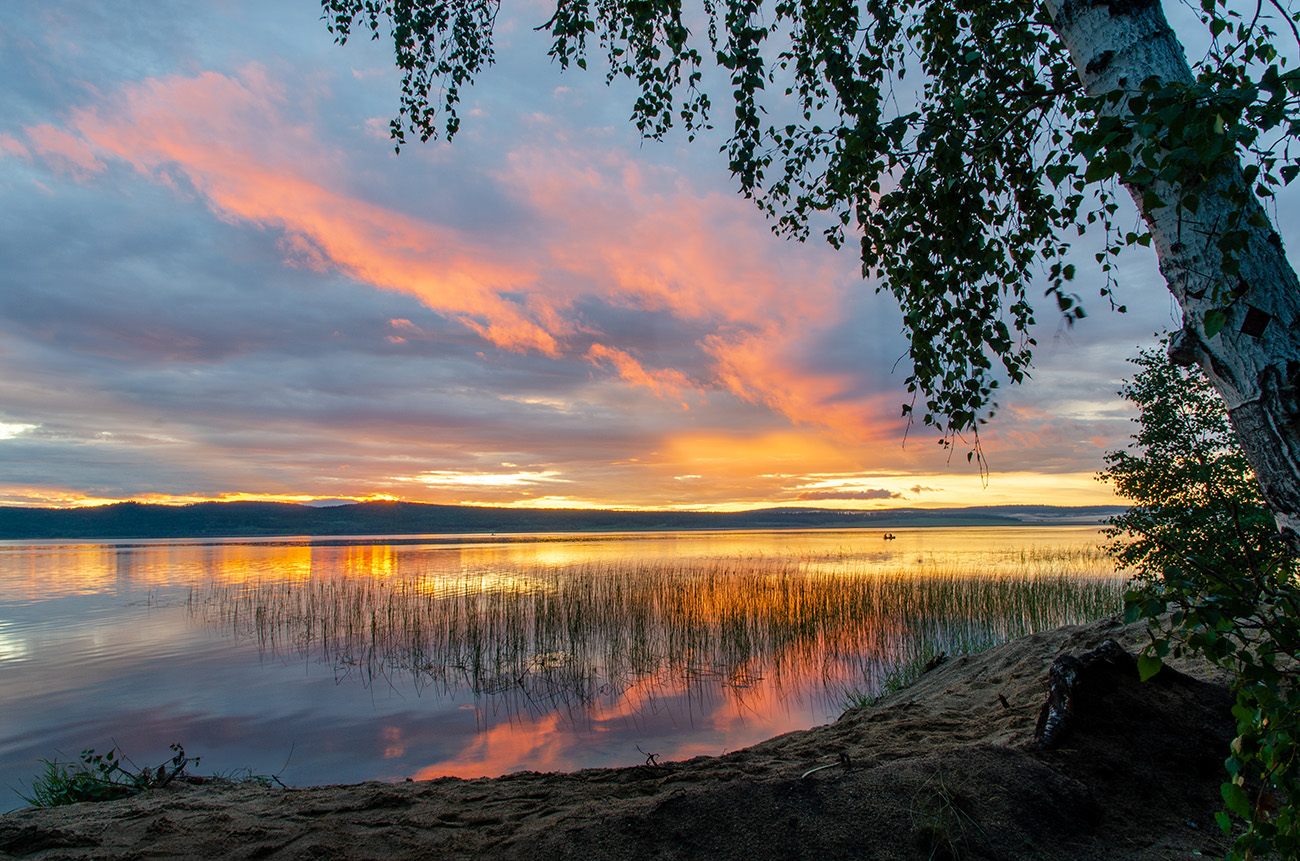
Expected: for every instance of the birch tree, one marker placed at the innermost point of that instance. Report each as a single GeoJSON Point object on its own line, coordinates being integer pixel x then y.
{"type": "Point", "coordinates": [1220, 256]}
{"type": "Point", "coordinates": [962, 145]}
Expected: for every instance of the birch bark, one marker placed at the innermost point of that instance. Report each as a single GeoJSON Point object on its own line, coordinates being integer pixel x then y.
{"type": "Point", "coordinates": [1254, 361]}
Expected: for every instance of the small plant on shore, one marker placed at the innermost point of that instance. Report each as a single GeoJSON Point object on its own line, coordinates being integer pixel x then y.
{"type": "Point", "coordinates": [100, 777]}
{"type": "Point", "coordinates": [904, 673]}
{"type": "Point", "coordinates": [1215, 579]}
{"type": "Point", "coordinates": [107, 776]}
{"type": "Point", "coordinates": [941, 823]}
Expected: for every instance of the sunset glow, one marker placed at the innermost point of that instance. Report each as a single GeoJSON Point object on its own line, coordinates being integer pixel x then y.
{"type": "Point", "coordinates": [222, 284]}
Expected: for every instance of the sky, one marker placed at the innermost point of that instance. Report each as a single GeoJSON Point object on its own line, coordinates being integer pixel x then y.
{"type": "Point", "coordinates": [220, 282]}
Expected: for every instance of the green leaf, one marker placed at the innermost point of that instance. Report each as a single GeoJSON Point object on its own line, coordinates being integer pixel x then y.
{"type": "Point", "coordinates": [1215, 320]}
{"type": "Point", "coordinates": [1148, 665]}
{"type": "Point", "coordinates": [1058, 173]}
{"type": "Point", "coordinates": [1151, 201]}
{"type": "Point", "coordinates": [1235, 798]}
{"type": "Point", "coordinates": [1098, 169]}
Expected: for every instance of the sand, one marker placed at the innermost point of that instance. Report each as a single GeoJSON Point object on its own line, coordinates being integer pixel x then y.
{"type": "Point", "coordinates": [942, 769]}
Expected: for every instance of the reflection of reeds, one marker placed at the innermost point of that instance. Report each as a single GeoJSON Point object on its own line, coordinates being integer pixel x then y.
{"type": "Point", "coordinates": [572, 633]}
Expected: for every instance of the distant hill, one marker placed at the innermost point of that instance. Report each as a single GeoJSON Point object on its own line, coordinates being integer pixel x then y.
{"type": "Point", "coordinates": [253, 519]}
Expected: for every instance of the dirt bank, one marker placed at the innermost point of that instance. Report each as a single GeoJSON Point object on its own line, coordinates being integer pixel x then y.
{"type": "Point", "coordinates": [942, 769]}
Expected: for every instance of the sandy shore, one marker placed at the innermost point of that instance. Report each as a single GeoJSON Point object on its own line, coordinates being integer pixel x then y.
{"type": "Point", "coordinates": [942, 769]}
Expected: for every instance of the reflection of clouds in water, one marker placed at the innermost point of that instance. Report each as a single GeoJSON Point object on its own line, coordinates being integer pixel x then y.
{"type": "Point", "coordinates": [620, 729]}
{"type": "Point", "coordinates": [506, 747]}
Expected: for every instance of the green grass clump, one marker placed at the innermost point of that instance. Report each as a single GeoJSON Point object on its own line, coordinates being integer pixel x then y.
{"type": "Point", "coordinates": [100, 777]}
{"type": "Point", "coordinates": [941, 821]}
{"type": "Point", "coordinates": [107, 776]}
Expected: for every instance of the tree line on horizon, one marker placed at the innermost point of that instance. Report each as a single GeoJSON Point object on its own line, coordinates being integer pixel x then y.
{"type": "Point", "coordinates": [254, 519]}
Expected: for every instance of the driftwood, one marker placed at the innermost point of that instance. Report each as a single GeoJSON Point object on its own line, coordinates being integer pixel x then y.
{"type": "Point", "coordinates": [1070, 680]}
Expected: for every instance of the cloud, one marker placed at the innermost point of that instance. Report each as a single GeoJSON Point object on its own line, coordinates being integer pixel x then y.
{"type": "Point", "coordinates": [219, 279]}
{"type": "Point", "coordinates": [609, 233]}
{"type": "Point", "coordinates": [229, 139]}
{"type": "Point", "coordinates": [875, 493]}
{"type": "Point", "coordinates": [665, 383]}
{"type": "Point", "coordinates": [12, 146]}
{"type": "Point", "coordinates": [64, 151]}
{"type": "Point", "coordinates": [11, 430]}
{"type": "Point", "coordinates": [463, 479]}
{"type": "Point", "coordinates": [760, 368]}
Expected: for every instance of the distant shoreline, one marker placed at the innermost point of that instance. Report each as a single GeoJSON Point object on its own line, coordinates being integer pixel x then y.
{"type": "Point", "coordinates": [449, 539]}
{"type": "Point", "coordinates": [411, 522]}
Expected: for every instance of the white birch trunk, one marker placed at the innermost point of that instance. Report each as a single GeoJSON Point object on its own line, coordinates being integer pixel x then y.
{"type": "Point", "coordinates": [1255, 360]}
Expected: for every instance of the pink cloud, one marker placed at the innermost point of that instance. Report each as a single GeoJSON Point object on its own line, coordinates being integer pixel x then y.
{"type": "Point", "coordinates": [630, 234]}
{"type": "Point", "coordinates": [645, 240]}
{"type": "Point", "coordinates": [229, 138]}
{"type": "Point", "coordinates": [65, 152]}
{"type": "Point", "coordinates": [650, 241]}
{"type": "Point", "coordinates": [405, 325]}
{"type": "Point", "coordinates": [12, 146]}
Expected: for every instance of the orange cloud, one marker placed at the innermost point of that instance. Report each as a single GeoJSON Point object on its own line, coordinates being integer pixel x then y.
{"type": "Point", "coordinates": [717, 456]}
{"type": "Point", "coordinates": [227, 137]}
{"type": "Point", "coordinates": [750, 365]}
{"type": "Point", "coordinates": [655, 245]}
{"type": "Point", "coordinates": [664, 383]}
{"type": "Point", "coordinates": [652, 242]}
{"type": "Point", "coordinates": [633, 235]}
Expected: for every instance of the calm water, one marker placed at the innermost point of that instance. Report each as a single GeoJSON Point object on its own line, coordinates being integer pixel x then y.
{"type": "Point", "coordinates": [385, 659]}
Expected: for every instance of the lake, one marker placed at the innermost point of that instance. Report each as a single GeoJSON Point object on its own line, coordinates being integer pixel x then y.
{"type": "Point", "coordinates": [341, 660]}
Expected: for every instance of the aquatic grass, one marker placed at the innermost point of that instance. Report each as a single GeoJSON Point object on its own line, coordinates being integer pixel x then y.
{"type": "Point", "coordinates": [570, 634]}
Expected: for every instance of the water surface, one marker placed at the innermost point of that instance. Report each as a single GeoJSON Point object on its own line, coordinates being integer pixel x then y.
{"type": "Point", "coordinates": [416, 657]}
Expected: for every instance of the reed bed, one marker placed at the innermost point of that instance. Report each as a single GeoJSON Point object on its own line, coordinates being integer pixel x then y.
{"type": "Point", "coordinates": [837, 626]}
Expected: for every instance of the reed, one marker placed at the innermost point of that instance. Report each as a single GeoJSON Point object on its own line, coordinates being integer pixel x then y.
{"type": "Point", "coordinates": [569, 634]}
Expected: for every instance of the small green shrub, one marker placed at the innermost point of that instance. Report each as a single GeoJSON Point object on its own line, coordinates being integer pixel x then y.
{"type": "Point", "coordinates": [1214, 578]}
{"type": "Point", "coordinates": [1193, 493]}
{"type": "Point", "coordinates": [100, 777]}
